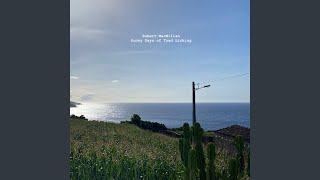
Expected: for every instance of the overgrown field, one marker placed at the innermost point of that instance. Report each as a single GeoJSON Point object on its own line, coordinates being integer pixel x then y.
{"type": "Point", "coordinates": [100, 150]}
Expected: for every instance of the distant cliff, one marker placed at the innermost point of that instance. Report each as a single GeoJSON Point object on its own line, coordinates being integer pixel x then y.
{"type": "Point", "coordinates": [74, 104]}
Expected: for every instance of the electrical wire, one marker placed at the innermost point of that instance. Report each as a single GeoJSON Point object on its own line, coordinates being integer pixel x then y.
{"type": "Point", "coordinates": [206, 82]}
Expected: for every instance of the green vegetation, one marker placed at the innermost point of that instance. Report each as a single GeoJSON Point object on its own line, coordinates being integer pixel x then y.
{"type": "Point", "coordinates": [153, 126]}
{"type": "Point", "coordinates": [248, 166]}
{"type": "Point", "coordinates": [239, 144]}
{"type": "Point", "coordinates": [191, 170]}
{"type": "Point", "coordinates": [196, 167]}
{"type": "Point", "coordinates": [211, 152]}
{"type": "Point", "coordinates": [205, 134]}
{"type": "Point", "coordinates": [101, 150]}
{"type": "Point", "coordinates": [197, 133]}
{"type": "Point", "coordinates": [233, 169]}
{"type": "Point", "coordinates": [78, 117]}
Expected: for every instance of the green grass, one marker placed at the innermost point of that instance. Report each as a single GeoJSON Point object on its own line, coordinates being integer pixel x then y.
{"type": "Point", "coordinates": [101, 150]}
{"type": "Point", "coordinates": [118, 151]}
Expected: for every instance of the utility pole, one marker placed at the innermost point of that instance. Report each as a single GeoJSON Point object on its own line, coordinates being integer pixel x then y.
{"type": "Point", "coordinates": [206, 86]}
{"type": "Point", "coordinates": [193, 103]}
{"type": "Point", "coordinates": [194, 100]}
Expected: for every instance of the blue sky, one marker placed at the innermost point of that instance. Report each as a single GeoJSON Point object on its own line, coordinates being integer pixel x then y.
{"type": "Point", "coordinates": [106, 67]}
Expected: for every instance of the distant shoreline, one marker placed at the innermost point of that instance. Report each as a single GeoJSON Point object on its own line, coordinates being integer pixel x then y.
{"type": "Point", "coordinates": [212, 115]}
{"type": "Point", "coordinates": [166, 103]}
{"type": "Point", "coordinates": [74, 104]}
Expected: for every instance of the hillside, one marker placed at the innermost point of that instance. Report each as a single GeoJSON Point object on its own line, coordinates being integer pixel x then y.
{"type": "Point", "coordinates": [74, 104]}
{"type": "Point", "coordinates": [104, 150]}
{"type": "Point", "coordinates": [121, 150]}
{"type": "Point", "coordinates": [126, 138]}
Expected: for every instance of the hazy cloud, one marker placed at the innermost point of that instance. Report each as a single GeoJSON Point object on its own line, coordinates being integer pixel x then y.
{"type": "Point", "coordinates": [87, 33]}
{"type": "Point", "coordinates": [115, 81]}
{"type": "Point", "coordinates": [74, 77]}
{"type": "Point", "coordinates": [87, 97]}
{"type": "Point", "coordinates": [132, 52]}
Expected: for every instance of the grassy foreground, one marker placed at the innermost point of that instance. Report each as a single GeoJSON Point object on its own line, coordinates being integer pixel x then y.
{"type": "Point", "coordinates": [101, 150]}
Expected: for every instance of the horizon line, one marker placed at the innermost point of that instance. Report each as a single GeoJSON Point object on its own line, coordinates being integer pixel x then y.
{"type": "Point", "coordinates": [163, 102]}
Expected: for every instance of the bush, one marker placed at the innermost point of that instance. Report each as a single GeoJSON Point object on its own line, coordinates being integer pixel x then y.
{"type": "Point", "coordinates": [73, 116]}
{"type": "Point", "coordinates": [135, 119]}
{"type": "Point", "coordinates": [153, 126]}
{"type": "Point", "coordinates": [78, 117]}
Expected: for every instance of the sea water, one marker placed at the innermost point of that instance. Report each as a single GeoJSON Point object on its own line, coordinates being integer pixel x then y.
{"type": "Point", "coordinates": [212, 116]}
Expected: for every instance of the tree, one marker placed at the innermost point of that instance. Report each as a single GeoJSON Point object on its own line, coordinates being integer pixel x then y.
{"type": "Point", "coordinates": [135, 119]}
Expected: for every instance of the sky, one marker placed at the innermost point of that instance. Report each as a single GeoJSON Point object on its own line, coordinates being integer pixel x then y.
{"type": "Point", "coordinates": [106, 67]}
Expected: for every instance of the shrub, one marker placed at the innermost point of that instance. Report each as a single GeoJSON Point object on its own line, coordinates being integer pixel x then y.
{"type": "Point", "coordinates": [136, 119]}
{"type": "Point", "coordinates": [153, 126]}
{"type": "Point", "coordinates": [78, 117]}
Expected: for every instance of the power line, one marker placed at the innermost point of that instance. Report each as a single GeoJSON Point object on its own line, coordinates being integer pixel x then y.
{"type": "Point", "coordinates": [230, 77]}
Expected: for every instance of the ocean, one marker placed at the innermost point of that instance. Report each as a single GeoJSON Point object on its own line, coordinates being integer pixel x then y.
{"type": "Point", "coordinates": [211, 116]}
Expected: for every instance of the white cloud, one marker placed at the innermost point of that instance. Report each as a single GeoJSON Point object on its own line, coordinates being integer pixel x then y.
{"type": "Point", "coordinates": [85, 32]}
{"type": "Point", "coordinates": [87, 97]}
{"type": "Point", "coordinates": [92, 11]}
{"type": "Point", "coordinates": [115, 81]}
{"type": "Point", "coordinates": [131, 52]}
{"type": "Point", "coordinates": [74, 77]}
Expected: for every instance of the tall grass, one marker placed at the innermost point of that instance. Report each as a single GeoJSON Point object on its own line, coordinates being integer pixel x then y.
{"type": "Point", "coordinates": [102, 150]}
{"type": "Point", "coordinates": [113, 165]}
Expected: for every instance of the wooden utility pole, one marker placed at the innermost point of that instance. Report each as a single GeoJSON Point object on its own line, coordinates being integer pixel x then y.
{"type": "Point", "coordinates": [194, 100]}
{"type": "Point", "coordinates": [193, 103]}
